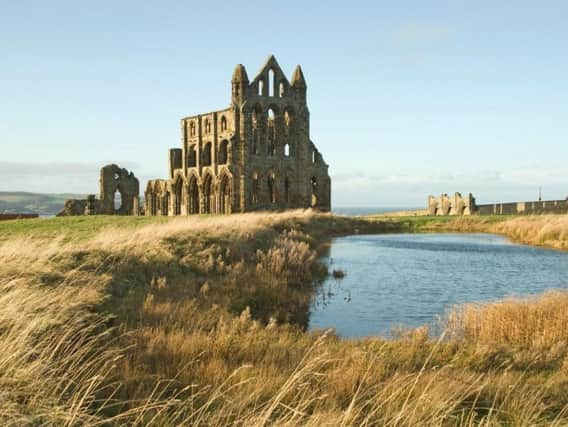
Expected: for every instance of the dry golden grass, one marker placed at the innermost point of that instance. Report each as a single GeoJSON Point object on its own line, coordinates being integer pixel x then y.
{"type": "Point", "coordinates": [543, 230]}
{"type": "Point", "coordinates": [534, 322]}
{"type": "Point", "coordinates": [183, 349]}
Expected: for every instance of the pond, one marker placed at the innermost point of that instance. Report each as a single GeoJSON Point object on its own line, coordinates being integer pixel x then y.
{"type": "Point", "coordinates": [410, 280]}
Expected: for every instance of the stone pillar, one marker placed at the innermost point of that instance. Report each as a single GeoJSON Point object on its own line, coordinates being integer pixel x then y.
{"type": "Point", "coordinates": [136, 206]}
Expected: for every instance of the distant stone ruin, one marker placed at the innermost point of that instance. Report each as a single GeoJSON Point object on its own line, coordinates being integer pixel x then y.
{"type": "Point", "coordinates": [455, 205]}
{"type": "Point", "coordinates": [458, 205]}
{"type": "Point", "coordinates": [119, 195]}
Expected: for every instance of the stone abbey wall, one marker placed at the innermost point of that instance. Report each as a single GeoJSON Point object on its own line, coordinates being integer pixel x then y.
{"type": "Point", "coordinates": [119, 195]}
{"type": "Point", "coordinates": [458, 205]}
{"type": "Point", "coordinates": [527, 208]}
{"type": "Point", "coordinates": [254, 155]}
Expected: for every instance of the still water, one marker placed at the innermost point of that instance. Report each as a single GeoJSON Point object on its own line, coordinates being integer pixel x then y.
{"type": "Point", "coordinates": [411, 279]}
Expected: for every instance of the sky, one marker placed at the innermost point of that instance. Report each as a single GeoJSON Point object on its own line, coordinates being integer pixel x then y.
{"type": "Point", "coordinates": [406, 98]}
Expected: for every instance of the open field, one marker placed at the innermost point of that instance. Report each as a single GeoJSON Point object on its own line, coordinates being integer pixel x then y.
{"type": "Point", "coordinates": [42, 204]}
{"type": "Point", "coordinates": [199, 321]}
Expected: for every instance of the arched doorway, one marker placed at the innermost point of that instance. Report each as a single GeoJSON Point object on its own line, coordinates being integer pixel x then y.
{"type": "Point", "coordinates": [193, 196]}
{"type": "Point", "coordinates": [166, 204]}
{"type": "Point", "coordinates": [225, 195]}
{"type": "Point", "coordinates": [177, 196]}
{"type": "Point", "coordinates": [117, 201]}
{"type": "Point", "coordinates": [208, 194]}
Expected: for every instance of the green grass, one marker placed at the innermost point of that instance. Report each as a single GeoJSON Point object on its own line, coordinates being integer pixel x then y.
{"type": "Point", "coordinates": [77, 227]}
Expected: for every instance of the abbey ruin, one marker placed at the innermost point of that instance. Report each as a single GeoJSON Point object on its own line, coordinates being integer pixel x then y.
{"type": "Point", "coordinates": [119, 195]}
{"type": "Point", "coordinates": [254, 155]}
{"type": "Point", "coordinates": [458, 205]}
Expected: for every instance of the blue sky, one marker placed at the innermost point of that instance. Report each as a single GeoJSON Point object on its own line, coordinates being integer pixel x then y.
{"type": "Point", "coordinates": [407, 98]}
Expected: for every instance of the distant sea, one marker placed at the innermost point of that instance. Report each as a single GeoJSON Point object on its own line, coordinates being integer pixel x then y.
{"type": "Point", "coordinates": [370, 210]}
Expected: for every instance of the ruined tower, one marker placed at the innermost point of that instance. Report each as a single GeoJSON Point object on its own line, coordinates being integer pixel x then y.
{"type": "Point", "coordinates": [254, 155]}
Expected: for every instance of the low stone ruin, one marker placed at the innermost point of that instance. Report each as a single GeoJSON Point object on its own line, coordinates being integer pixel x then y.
{"type": "Point", "coordinates": [454, 205]}
{"type": "Point", "coordinates": [119, 195]}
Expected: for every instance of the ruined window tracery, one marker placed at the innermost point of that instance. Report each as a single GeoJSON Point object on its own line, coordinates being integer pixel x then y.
{"type": "Point", "coordinates": [207, 126]}
{"type": "Point", "coordinates": [260, 87]}
{"type": "Point", "coordinates": [287, 122]}
{"type": "Point", "coordinates": [271, 128]}
{"type": "Point", "coordinates": [223, 152]}
{"type": "Point", "coordinates": [271, 82]}
{"type": "Point", "coordinates": [223, 123]}
{"type": "Point", "coordinates": [281, 90]}
{"type": "Point", "coordinates": [117, 199]}
{"type": "Point", "coordinates": [192, 128]}
{"type": "Point", "coordinates": [192, 157]}
{"type": "Point", "coordinates": [207, 154]}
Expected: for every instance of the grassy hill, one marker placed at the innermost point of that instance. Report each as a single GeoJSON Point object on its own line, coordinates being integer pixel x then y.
{"type": "Point", "coordinates": [42, 204]}
{"type": "Point", "coordinates": [201, 321]}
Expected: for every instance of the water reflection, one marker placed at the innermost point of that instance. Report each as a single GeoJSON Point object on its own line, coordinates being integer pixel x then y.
{"type": "Point", "coordinates": [410, 279]}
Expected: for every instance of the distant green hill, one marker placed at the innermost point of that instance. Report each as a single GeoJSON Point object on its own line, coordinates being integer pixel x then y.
{"type": "Point", "coordinates": [42, 204]}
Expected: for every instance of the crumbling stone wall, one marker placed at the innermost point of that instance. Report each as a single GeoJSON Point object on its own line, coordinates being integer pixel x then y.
{"type": "Point", "coordinates": [255, 155]}
{"type": "Point", "coordinates": [113, 180]}
{"type": "Point", "coordinates": [458, 205]}
{"type": "Point", "coordinates": [455, 205]}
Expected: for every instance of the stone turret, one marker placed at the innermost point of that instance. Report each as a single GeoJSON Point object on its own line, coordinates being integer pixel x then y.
{"type": "Point", "coordinates": [299, 83]}
{"type": "Point", "coordinates": [240, 84]}
{"type": "Point", "coordinates": [298, 79]}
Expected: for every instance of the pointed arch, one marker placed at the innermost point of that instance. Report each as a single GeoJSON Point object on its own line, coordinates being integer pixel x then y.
{"type": "Point", "coordinates": [192, 156]}
{"type": "Point", "coordinates": [281, 89]}
{"type": "Point", "coordinates": [271, 131]}
{"type": "Point", "coordinates": [225, 193]}
{"type": "Point", "coordinates": [223, 157]}
{"type": "Point", "coordinates": [260, 87]}
{"type": "Point", "coordinates": [271, 82]}
{"type": "Point", "coordinates": [206, 154]}
{"type": "Point", "coordinates": [177, 195]}
{"type": "Point", "coordinates": [208, 195]}
{"type": "Point", "coordinates": [193, 195]}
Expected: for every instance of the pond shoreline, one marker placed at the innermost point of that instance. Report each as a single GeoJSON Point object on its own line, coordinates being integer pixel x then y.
{"type": "Point", "coordinates": [387, 273]}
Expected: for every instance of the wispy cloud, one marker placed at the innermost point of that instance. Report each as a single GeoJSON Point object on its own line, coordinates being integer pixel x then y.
{"type": "Point", "coordinates": [421, 34]}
